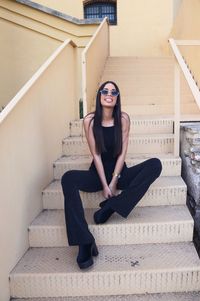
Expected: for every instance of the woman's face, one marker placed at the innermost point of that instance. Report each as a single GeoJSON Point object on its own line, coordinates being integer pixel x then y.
{"type": "Point", "coordinates": [108, 100]}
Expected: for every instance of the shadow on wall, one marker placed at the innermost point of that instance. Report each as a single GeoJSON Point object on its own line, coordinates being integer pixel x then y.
{"type": "Point", "coordinates": [177, 4]}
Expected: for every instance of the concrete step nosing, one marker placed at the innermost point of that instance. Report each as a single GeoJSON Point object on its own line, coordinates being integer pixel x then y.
{"type": "Point", "coordinates": [136, 145]}
{"type": "Point", "coordinates": [55, 236]}
{"type": "Point", "coordinates": [171, 166]}
{"type": "Point", "coordinates": [144, 225]}
{"type": "Point", "coordinates": [155, 196]}
{"type": "Point", "coordinates": [186, 296]}
{"type": "Point", "coordinates": [137, 127]}
{"type": "Point", "coordinates": [119, 282]}
{"type": "Point", "coordinates": [125, 269]}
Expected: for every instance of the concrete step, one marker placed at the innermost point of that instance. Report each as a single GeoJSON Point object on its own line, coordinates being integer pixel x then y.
{"type": "Point", "coordinates": [136, 71]}
{"type": "Point", "coordinates": [166, 99]}
{"type": "Point", "coordinates": [140, 71]}
{"type": "Point", "coordinates": [158, 224]}
{"type": "Point", "coordinates": [138, 144]}
{"type": "Point", "coordinates": [163, 59]}
{"type": "Point", "coordinates": [163, 192]}
{"type": "Point", "coordinates": [145, 92]}
{"type": "Point", "coordinates": [171, 165]}
{"type": "Point", "coordinates": [160, 109]}
{"type": "Point", "coordinates": [144, 62]}
{"type": "Point", "coordinates": [134, 85]}
{"type": "Point", "coordinates": [191, 296]}
{"type": "Point", "coordinates": [130, 75]}
{"type": "Point", "coordinates": [118, 270]}
{"type": "Point", "coordinates": [139, 125]}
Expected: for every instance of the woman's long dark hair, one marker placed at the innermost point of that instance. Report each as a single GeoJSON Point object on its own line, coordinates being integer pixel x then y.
{"type": "Point", "coordinates": [97, 126]}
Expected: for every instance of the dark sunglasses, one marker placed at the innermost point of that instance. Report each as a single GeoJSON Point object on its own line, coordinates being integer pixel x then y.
{"type": "Point", "coordinates": [113, 92]}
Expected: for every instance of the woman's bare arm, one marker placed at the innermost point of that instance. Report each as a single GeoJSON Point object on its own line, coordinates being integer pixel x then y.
{"type": "Point", "coordinates": [121, 158]}
{"type": "Point", "coordinates": [88, 127]}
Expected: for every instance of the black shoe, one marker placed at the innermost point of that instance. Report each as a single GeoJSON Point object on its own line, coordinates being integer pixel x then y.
{"type": "Point", "coordinates": [84, 258]}
{"type": "Point", "coordinates": [103, 214]}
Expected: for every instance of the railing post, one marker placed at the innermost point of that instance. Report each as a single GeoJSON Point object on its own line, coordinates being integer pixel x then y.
{"type": "Point", "coordinates": [84, 85]}
{"type": "Point", "coordinates": [177, 100]}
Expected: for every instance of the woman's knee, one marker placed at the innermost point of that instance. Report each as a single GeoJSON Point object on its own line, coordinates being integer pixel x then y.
{"type": "Point", "coordinates": [68, 178]}
{"type": "Point", "coordinates": [155, 166]}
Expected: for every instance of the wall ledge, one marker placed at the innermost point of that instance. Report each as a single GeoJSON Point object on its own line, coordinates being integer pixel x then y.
{"type": "Point", "coordinates": [59, 14]}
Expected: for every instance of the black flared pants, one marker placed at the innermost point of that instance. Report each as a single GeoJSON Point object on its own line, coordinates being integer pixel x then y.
{"type": "Point", "coordinates": [134, 182]}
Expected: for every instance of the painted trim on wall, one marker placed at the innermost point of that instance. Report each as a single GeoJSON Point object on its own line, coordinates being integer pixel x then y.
{"type": "Point", "coordinates": [58, 14]}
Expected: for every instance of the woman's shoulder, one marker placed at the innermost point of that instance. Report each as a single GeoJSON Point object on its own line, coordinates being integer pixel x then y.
{"type": "Point", "coordinates": [88, 117]}
{"type": "Point", "coordinates": [125, 118]}
{"type": "Point", "coordinates": [88, 120]}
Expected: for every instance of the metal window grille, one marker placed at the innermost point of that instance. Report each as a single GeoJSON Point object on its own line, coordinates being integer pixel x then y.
{"type": "Point", "coordinates": [101, 10]}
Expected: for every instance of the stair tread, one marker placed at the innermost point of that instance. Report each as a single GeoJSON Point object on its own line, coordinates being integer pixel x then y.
{"type": "Point", "coordinates": [166, 190]}
{"type": "Point", "coordinates": [167, 58]}
{"type": "Point", "coordinates": [137, 120]}
{"type": "Point", "coordinates": [159, 182]}
{"type": "Point", "coordinates": [189, 296]}
{"type": "Point", "coordinates": [146, 58]}
{"type": "Point", "coordinates": [138, 143]}
{"type": "Point", "coordinates": [139, 124]}
{"type": "Point", "coordinates": [142, 117]}
{"type": "Point", "coordinates": [160, 108]}
{"type": "Point", "coordinates": [147, 257]}
{"type": "Point", "coordinates": [88, 158]}
{"type": "Point", "coordinates": [136, 136]}
{"type": "Point", "coordinates": [144, 215]}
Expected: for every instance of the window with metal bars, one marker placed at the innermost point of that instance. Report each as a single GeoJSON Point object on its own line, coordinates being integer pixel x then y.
{"type": "Point", "coordinates": [101, 10]}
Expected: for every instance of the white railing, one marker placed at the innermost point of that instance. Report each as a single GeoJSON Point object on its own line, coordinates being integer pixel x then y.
{"type": "Point", "coordinates": [93, 61]}
{"type": "Point", "coordinates": [181, 65]}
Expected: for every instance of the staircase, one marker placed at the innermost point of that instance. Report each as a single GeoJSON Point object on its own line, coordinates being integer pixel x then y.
{"type": "Point", "coordinates": [148, 84]}
{"type": "Point", "coordinates": [149, 256]}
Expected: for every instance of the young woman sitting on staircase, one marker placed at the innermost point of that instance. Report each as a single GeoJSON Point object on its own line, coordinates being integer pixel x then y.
{"type": "Point", "coordinates": [107, 134]}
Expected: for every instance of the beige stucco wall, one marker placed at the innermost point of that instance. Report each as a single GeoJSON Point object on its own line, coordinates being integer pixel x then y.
{"type": "Point", "coordinates": [35, 35]}
{"type": "Point", "coordinates": [22, 52]}
{"type": "Point", "coordinates": [177, 4]}
{"type": "Point", "coordinates": [142, 29]}
{"type": "Point", "coordinates": [70, 7]}
{"type": "Point", "coordinates": [187, 27]}
{"type": "Point", "coordinates": [76, 9]}
{"type": "Point", "coordinates": [31, 137]}
{"type": "Point", "coordinates": [27, 38]}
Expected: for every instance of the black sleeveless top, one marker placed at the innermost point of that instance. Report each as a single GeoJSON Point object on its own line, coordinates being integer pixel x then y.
{"type": "Point", "coordinates": [107, 157]}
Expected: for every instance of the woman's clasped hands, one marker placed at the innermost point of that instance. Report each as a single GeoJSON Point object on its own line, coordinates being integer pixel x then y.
{"type": "Point", "coordinates": [109, 191]}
